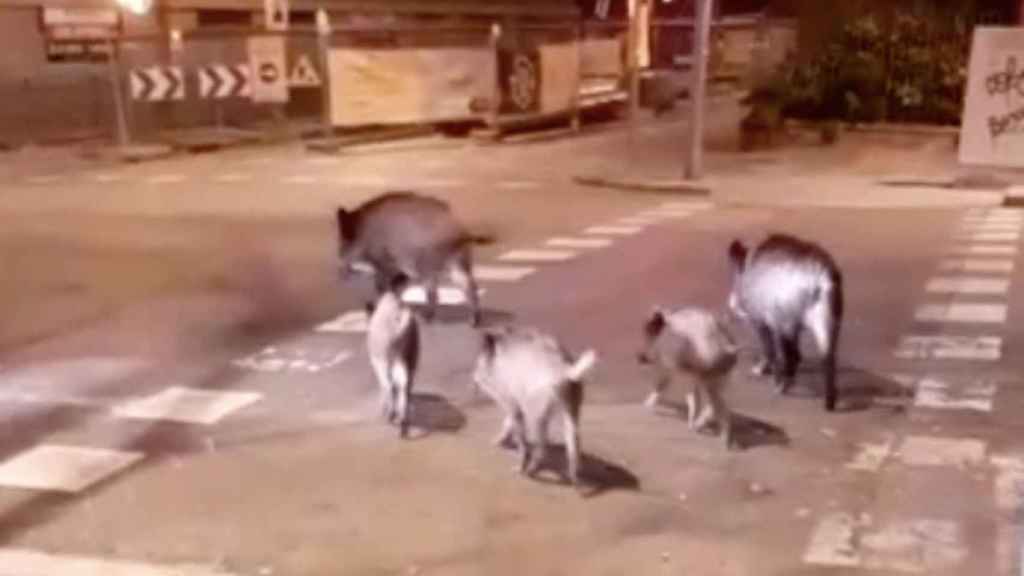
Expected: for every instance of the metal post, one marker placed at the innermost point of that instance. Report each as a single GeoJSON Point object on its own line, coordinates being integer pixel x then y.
{"type": "Point", "coordinates": [323, 28]}
{"type": "Point", "coordinates": [114, 67]}
{"type": "Point", "coordinates": [633, 61]}
{"type": "Point", "coordinates": [698, 90]}
{"type": "Point", "coordinates": [579, 78]}
{"type": "Point", "coordinates": [495, 108]}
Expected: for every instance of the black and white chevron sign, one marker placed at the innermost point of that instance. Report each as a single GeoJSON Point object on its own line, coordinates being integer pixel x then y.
{"type": "Point", "coordinates": [157, 84]}
{"type": "Point", "coordinates": [220, 81]}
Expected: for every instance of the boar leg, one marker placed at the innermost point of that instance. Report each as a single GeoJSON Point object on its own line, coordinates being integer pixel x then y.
{"type": "Point", "coordinates": [769, 357]}
{"type": "Point", "coordinates": [462, 276]}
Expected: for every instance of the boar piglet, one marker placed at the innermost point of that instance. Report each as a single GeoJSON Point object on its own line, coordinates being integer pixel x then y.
{"type": "Point", "coordinates": [531, 376]}
{"type": "Point", "coordinates": [694, 344]}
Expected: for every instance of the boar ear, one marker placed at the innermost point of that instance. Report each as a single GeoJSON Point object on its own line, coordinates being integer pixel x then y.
{"type": "Point", "coordinates": [345, 228]}
{"type": "Point", "coordinates": [738, 254]}
{"type": "Point", "coordinates": [398, 282]}
{"type": "Point", "coordinates": [655, 323]}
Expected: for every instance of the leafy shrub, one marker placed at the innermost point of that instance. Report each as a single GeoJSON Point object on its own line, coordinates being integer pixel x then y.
{"type": "Point", "coordinates": [911, 70]}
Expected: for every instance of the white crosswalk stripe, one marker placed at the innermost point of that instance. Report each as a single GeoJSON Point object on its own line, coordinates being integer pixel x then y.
{"type": "Point", "coordinates": [967, 285]}
{"type": "Point", "coordinates": [562, 242]}
{"type": "Point", "coordinates": [967, 313]}
{"type": "Point", "coordinates": [491, 273]}
{"type": "Point", "coordinates": [975, 265]}
{"type": "Point", "coordinates": [537, 255]}
{"type": "Point", "coordinates": [613, 230]}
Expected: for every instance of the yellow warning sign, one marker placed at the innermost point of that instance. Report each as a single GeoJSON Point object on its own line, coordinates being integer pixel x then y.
{"type": "Point", "coordinates": [303, 74]}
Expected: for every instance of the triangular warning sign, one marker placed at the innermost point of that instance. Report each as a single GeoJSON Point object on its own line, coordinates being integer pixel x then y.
{"type": "Point", "coordinates": [303, 74]}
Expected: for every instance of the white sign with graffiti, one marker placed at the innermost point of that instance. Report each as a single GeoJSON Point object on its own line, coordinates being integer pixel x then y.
{"type": "Point", "coordinates": [992, 130]}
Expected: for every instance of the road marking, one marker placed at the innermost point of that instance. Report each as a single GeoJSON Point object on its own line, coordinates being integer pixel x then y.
{"type": "Point", "coordinates": [231, 177]}
{"type": "Point", "coordinates": [988, 236]}
{"type": "Point", "coordinates": [1007, 214]}
{"type": "Point", "coordinates": [870, 457]}
{"type": "Point", "coordinates": [942, 394]}
{"type": "Point", "coordinates": [686, 205]}
{"type": "Point", "coordinates": [920, 546]}
{"type": "Point", "coordinates": [107, 178]}
{"type": "Point", "coordinates": [440, 183]}
{"type": "Point", "coordinates": [300, 179]}
{"type": "Point", "coordinates": [446, 295]}
{"type": "Point", "coordinates": [959, 453]}
{"type": "Point", "coordinates": [518, 184]}
{"type": "Point", "coordinates": [502, 273]}
{"type": "Point", "coordinates": [962, 313]}
{"type": "Point", "coordinates": [978, 348]}
{"type": "Point", "coordinates": [538, 256]}
{"type": "Point", "coordinates": [166, 179]}
{"type": "Point", "coordinates": [68, 469]}
{"type": "Point", "coordinates": [270, 359]}
{"type": "Point", "coordinates": [1009, 485]}
{"type": "Point", "coordinates": [638, 221]}
{"type": "Point", "coordinates": [986, 249]}
{"type": "Point", "coordinates": [368, 181]}
{"type": "Point", "coordinates": [24, 562]}
{"type": "Point", "coordinates": [987, 228]}
{"type": "Point", "coordinates": [583, 243]}
{"type": "Point", "coordinates": [967, 285]}
{"type": "Point", "coordinates": [613, 230]}
{"type": "Point", "coordinates": [667, 214]}
{"type": "Point", "coordinates": [352, 322]}
{"type": "Point", "coordinates": [187, 405]}
{"type": "Point", "coordinates": [976, 265]}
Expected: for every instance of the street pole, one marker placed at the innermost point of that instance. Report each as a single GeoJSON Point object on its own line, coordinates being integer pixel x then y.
{"type": "Point", "coordinates": [113, 67]}
{"type": "Point", "coordinates": [698, 89]}
{"type": "Point", "coordinates": [323, 28]}
{"type": "Point", "coordinates": [633, 61]}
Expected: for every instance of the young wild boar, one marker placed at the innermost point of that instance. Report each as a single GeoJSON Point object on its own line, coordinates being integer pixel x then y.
{"type": "Point", "coordinates": [412, 234]}
{"type": "Point", "coordinates": [692, 342]}
{"type": "Point", "coordinates": [393, 344]}
{"type": "Point", "coordinates": [784, 286]}
{"type": "Point", "coordinates": [531, 377]}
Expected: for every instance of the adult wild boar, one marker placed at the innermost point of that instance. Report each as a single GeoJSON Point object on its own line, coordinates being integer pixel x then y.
{"type": "Point", "coordinates": [782, 287]}
{"type": "Point", "coordinates": [412, 234]}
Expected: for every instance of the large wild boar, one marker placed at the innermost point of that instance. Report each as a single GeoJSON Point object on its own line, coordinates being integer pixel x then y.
{"type": "Point", "coordinates": [786, 285]}
{"type": "Point", "coordinates": [412, 234]}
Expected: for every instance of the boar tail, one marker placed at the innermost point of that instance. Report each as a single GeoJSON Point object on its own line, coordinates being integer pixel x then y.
{"type": "Point", "coordinates": [583, 364]}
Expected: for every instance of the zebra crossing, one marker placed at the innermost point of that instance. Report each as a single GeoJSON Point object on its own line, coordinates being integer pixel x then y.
{"type": "Point", "coordinates": [71, 469]}
{"type": "Point", "coordinates": [949, 373]}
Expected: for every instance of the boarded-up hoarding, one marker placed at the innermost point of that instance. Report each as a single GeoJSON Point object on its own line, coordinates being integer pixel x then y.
{"type": "Point", "coordinates": [601, 57]}
{"type": "Point", "coordinates": [992, 130]}
{"type": "Point", "coordinates": [408, 86]}
{"type": "Point", "coordinates": [560, 73]}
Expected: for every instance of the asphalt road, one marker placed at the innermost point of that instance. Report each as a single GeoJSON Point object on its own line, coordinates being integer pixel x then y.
{"type": "Point", "coordinates": [211, 416]}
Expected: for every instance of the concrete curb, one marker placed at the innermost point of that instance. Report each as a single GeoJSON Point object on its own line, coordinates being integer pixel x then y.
{"type": "Point", "coordinates": [1014, 197]}
{"type": "Point", "coordinates": [661, 186]}
{"type": "Point", "coordinates": [335, 144]}
{"type": "Point", "coordinates": [136, 153]}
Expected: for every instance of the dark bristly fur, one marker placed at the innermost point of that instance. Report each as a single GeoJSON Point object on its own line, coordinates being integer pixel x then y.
{"type": "Point", "coordinates": [413, 234]}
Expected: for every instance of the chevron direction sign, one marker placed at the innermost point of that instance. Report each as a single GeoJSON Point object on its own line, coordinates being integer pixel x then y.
{"type": "Point", "coordinates": [219, 81]}
{"type": "Point", "coordinates": [157, 84]}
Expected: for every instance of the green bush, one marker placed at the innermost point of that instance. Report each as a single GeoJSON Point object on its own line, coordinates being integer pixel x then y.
{"type": "Point", "coordinates": [913, 69]}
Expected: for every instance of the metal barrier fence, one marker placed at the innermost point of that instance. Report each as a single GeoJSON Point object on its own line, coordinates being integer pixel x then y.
{"type": "Point", "coordinates": [245, 77]}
